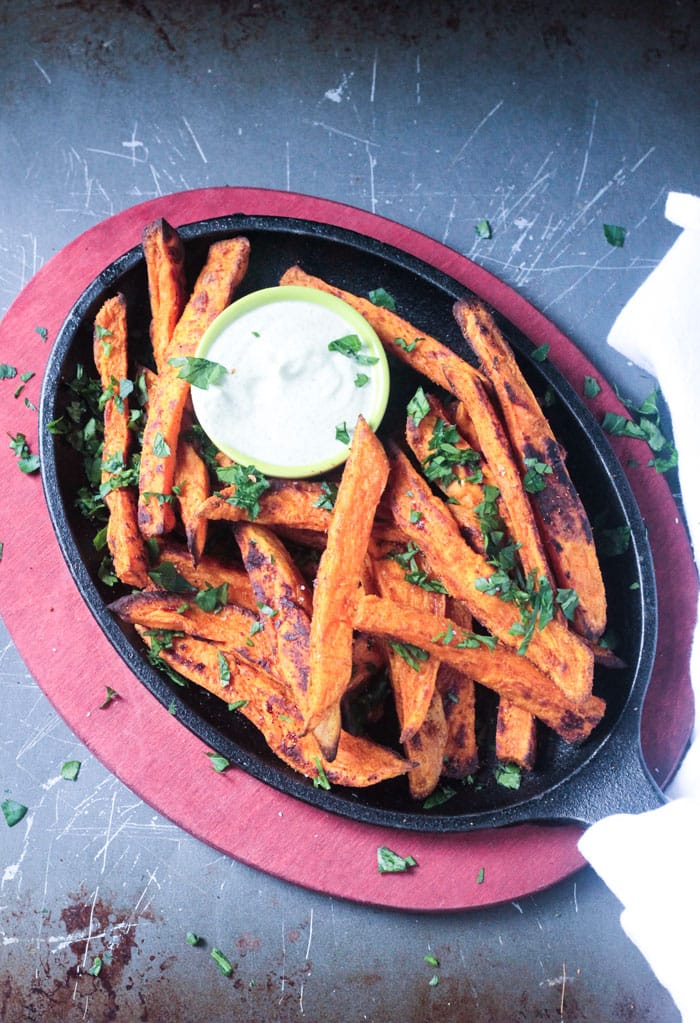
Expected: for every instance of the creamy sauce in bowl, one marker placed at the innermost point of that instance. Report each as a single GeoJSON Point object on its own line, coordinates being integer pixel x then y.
{"type": "Point", "coordinates": [300, 366]}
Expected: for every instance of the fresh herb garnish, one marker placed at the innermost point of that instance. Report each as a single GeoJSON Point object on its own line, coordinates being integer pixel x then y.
{"type": "Point", "coordinates": [414, 656]}
{"type": "Point", "coordinates": [193, 939]}
{"type": "Point", "coordinates": [321, 779]}
{"type": "Point", "coordinates": [381, 297]}
{"type": "Point", "coordinates": [541, 353]}
{"type": "Point", "coordinates": [250, 485]}
{"type": "Point", "coordinates": [342, 434]}
{"type": "Point", "coordinates": [96, 967]}
{"type": "Point", "coordinates": [481, 873]}
{"type": "Point", "coordinates": [508, 775]}
{"type": "Point", "coordinates": [7, 372]}
{"type": "Point", "coordinates": [407, 346]}
{"type": "Point", "coordinates": [591, 387]}
{"type": "Point", "coordinates": [13, 812]}
{"type": "Point", "coordinates": [198, 372]}
{"type": "Point", "coordinates": [361, 380]}
{"type": "Point", "coordinates": [483, 229]}
{"type": "Point", "coordinates": [222, 962]}
{"type": "Point", "coordinates": [389, 862]}
{"type": "Point", "coordinates": [329, 494]}
{"type": "Point", "coordinates": [70, 770]}
{"type": "Point", "coordinates": [26, 461]}
{"type": "Point", "coordinates": [613, 541]}
{"type": "Point", "coordinates": [647, 427]}
{"type": "Point", "coordinates": [110, 696]}
{"type": "Point", "coordinates": [418, 407]}
{"type": "Point", "coordinates": [535, 471]}
{"type": "Point", "coordinates": [224, 669]}
{"type": "Point", "coordinates": [218, 762]}
{"type": "Point", "coordinates": [446, 455]}
{"type": "Point", "coordinates": [42, 332]}
{"type": "Point", "coordinates": [167, 577]}
{"type": "Point", "coordinates": [161, 448]}
{"type": "Point", "coordinates": [351, 347]}
{"type": "Point", "coordinates": [437, 797]}
{"type": "Point", "coordinates": [615, 235]}
{"type": "Point", "coordinates": [212, 598]}
{"type": "Point", "coordinates": [413, 574]}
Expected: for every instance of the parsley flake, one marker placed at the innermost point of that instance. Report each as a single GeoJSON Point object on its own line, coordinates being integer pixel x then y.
{"type": "Point", "coordinates": [389, 862]}
{"type": "Point", "coordinates": [13, 812]}
{"type": "Point", "coordinates": [615, 235]}
{"type": "Point", "coordinates": [70, 770]}
{"type": "Point", "coordinates": [250, 485]}
{"type": "Point", "coordinates": [381, 297]}
{"type": "Point", "coordinates": [198, 372]}
{"type": "Point", "coordinates": [222, 962]}
{"type": "Point", "coordinates": [351, 347]}
{"type": "Point", "coordinates": [483, 229]}
{"type": "Point", "coordinates": [219, 762]}
{"type": "Point", "coordinates": [341, 433]}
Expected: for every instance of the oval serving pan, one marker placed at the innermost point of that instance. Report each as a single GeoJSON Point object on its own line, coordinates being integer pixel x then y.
{"type": "Point", "coordinates": [606, 774]}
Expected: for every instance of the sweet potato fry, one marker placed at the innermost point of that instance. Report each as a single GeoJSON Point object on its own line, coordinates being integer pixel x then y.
{"type": "Point", "coordinates": [427, 748]}
{"type": "Point", "coordinates": [412, 679]}
{"type": "Point", "coordinates": [233, 627]}
{"type": "Point", "coordinates": [338, 579]}
{"type": "Point", "coordinates": [164, 255]}
{"type": "Point", "coordinates": [358, 762]}
{"type": "Point", "coordinates": [296, 504]}
{"type": "Point", "coordinates": [427, 356]}
{"type": "Point", "coordinates": [458, 691]}
{"type": "Point", "coordinates": [209, 572]}
{"type": "Point", "coordinates": [564, 525]}
{"type": "Point", "coordinates": [284, 601]}
{"type": "Point", "coordinates": [225, 267]}
{"type": "Point", "coordinates": [500, 669]}
{"type": "Point", "coordinates": [460, 755]}
{"type": "Point", "coordinates": [516, 735]}
{"type": "Point", "coordinates": [124, 541]}
{"type": "Point", "coordinates": [432, 441]}
{"type": "Point", "coordinates": [426, 520]}
{"type": "Point", "coordinates": [192, 485]}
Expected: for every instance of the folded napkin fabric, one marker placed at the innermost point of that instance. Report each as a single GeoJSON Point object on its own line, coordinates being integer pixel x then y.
{"type": "Point", "coordinates": [650, 860]}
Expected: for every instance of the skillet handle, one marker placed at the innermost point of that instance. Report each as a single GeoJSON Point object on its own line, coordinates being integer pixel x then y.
{"type": "Point", "coordinates": [615, 780]}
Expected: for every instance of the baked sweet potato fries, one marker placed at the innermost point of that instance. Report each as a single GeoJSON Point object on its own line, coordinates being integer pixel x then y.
{"type": "Point", "coordinates": [448, 560]}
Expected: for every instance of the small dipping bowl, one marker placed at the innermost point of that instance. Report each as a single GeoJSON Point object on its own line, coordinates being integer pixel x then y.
{"type": "Point", "coordinates": [300, 366]}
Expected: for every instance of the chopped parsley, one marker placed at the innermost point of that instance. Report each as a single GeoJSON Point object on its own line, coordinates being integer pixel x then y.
{"type": "Point", "coordinates": [535, 471]}
{"type": "Point", "coordinates": [342, 434]}
{"type": "Point", "coordinates": [218, 762]}
{"type": "Point", "coordinates": [389, 862]}
{"type": "Point", "coordinates": [591, 387]}
{"type": "Point", "coordinates": [13, 812]}
{"type": "Point", "coordinates": [418, 407]}
{"type": "Point", "coordinates": [26, 461]}
{"type": "Point", "coordinates": [413, 574]}
{"type": "Point", "coordinates": [198, 372]}
{"type": "Point", "coordinates": [381, 297]}
{"type": "Point", "coordinates": [212, 598]}
{"type": "Point", "coordinates": [7, 372]}
{"type": "Point", "coordinates": [646, 427]}
{"type": "Point", "coordinates": [193, 939]}
{"type": "Point", "coordinates": [483, 229]}
{"type": "Point", "coordinates": [446, 455]}
{"type": "Point", "coordinates": [541, 353]}
{"type": "Point", "coordinates": [407, 346]}
{"type": "Point", "coordinates": [42, 332]}
{"type": "Point", "coordinates": [96, 967]}
{"type": "Point", "coordinates": [414, 656]}
{"type": "Point", "coordinates": [329, 494]}
{"type": "Point", "coordinates": [437, 797]}
{"type": "Point", "coordinates": [351, 347]}
{"type": "Point", "coordinates": [70, 770]}
{"type": "Point", "coordinates": [615, 235]}
{"type": "Point", "coordinates": [110, 696]}
{"type": "Point", "coordinates": [431, 960]}
{"type": "Point", "coordinates": [222, 962]}
{"type": "Point", "coordinates": [224, 669]}
{"type": "Point", "coordinates": [508, 775]}
{"type": "Point", "coordinates": [167, 577]}
{"type": "Point", "coordinates": [361, 380]}
{"type": "Point", "coordinates": [321, 779]}
{"type": "Point", "coordinates": [250, 485]}
{"type": "Point", "coordinates": [480, 876]}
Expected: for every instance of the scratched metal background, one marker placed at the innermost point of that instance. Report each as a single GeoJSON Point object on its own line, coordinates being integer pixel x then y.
{"type": "Point", "coordinates": [546, 118]}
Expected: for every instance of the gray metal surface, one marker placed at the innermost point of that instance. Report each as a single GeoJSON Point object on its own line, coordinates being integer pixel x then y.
{"type": "Point", "coordinates": [548, 120]}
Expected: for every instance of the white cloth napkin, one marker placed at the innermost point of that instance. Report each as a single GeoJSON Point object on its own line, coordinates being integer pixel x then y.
{"type": "Point", "coordinates": [651, 860]}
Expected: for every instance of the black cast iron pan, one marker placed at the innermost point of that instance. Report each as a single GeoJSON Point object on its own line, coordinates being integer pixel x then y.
{"type": "Point", "coordinates": [606, 774]}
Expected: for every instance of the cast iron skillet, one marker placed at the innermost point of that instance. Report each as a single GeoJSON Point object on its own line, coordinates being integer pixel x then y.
{"type": "Point", "coordinates": [606, 774]}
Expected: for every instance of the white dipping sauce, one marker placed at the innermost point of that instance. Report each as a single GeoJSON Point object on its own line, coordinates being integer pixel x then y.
{"type": "Point", "coordinates": [285, 393]}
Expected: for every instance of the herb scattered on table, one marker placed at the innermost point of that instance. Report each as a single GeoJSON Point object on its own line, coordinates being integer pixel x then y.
{"type": "Point", "coordinates": [647, 427]}
{"type": "Point", "coordinates": [26, 461]}
{"type": "Point", "coordinates": [615, 235]}
{"type": "Point", "coordinates": [13, 812]}
{"type": "Point", "coordinates": [508, 775]}
{"type": "Point", "coordinates": [218, 762]}
{"type": "Point", "coordinates": [70, 770]}
{"type": "Point", "coordinates": [389, 862]}
{"type": "Point", "coordinates": [110, 696]}
{"type": "Point", "coordinates": [483, 229]}
{"type": "Point", "coordinates": [380, 297]}
{"type": "Point", "coordinates": [222, 962]}
{"type": "Point", "coordinates": [193, 939]}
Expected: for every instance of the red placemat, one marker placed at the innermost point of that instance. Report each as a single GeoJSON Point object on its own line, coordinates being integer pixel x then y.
{"type": "Point", "coordinates": [159, 759]}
